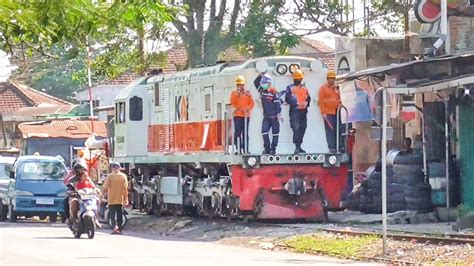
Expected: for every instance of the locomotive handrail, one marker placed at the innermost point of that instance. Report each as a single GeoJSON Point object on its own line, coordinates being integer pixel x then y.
{"type": "Point", "coordinates": [338, 123]}
{"type": "Point", "coordinates": [246, 139]}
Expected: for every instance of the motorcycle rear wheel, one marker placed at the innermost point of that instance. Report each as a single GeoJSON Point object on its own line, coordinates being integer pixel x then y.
{"type": "Point", "coordinates": [90, 227]}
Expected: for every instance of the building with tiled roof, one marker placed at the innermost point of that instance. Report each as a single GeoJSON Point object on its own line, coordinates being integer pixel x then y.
{"type": "Point", "coordinates": [15, 96]}
{"type": "Point", "coordinates": [314, 48]}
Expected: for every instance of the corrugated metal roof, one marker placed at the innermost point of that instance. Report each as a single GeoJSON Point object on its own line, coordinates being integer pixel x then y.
{"type": "Point", "coordinates": [74, 129]}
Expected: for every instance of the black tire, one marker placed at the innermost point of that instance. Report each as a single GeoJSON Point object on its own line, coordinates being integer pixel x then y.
{"type": "Point", "coordinates": [395, 207]}
{"type": "Point", "coordinates": [417, 204]}
{"type": "Point", "coordinates": [90, 227]}
{"type": "Point", "coordinates": [416, 192]}
{"type": "Point", "coordinates": [12, 217]}
{"type": "Point", "coordinates": [77, 234]}
{"type": "Point", "coordinates": [3, 212]}
{"type": "Point", "coordinates": [408, 180]}
{"type": "Point", "coordinates": [373, 208]}
{"type": "Point", "coordinates": [374, 184]}
{"type": "Point", "coordinates": [53, 218]}
{"type": "Point", "coordinates": [408, 159]}
{"type": "Point", "coordinates": [395, 188]}
{"type": "Point", "coordinates": [396, 198]}
{"type": "Point", "coordinates": [43, 217]}
{"type": "Point", "coordinates": [408, 170]}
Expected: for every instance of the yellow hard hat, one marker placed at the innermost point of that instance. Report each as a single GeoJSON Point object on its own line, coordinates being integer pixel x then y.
{"type": "Point", "coordinates": [80, 153]}
{"type": "Point", "coordinates": [331, 74]}
{"type": "Point", "coordinates": [298, 74]}
{"type": "Point", "coordinates": [240, 80]}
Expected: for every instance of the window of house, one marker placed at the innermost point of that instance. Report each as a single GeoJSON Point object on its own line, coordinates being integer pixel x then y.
{"type": "Point", "coordinates": [157, 94]}
{"type": "Point", "coordinates": [120, 112]}
{"type": "Point", "coordinates": [343, 66]}
{"type": "Point", "coordinates": [136, 108]}
{"type": "Point", "coordinates": [207, 102]}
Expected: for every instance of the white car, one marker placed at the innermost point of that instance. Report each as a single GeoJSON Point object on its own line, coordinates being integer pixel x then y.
{"type": "Point", "coordinates": [6, 164]}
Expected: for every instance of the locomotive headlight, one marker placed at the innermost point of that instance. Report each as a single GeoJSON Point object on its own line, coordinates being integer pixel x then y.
{"type": "Point", "coordinates": [251, 161]}
{"type": "Point", "coordinates": [332, 159]}
{"type": "Point", "coordinates": [281, 69]}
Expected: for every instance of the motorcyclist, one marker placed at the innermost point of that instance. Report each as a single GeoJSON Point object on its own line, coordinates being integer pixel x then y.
{"type": "Point", "coordinates": [80, 180]}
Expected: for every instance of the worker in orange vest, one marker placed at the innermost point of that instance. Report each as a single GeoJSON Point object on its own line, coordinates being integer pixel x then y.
{"type": "Point", "coordinates": [242, 101]}
{"type": "Point", "coordinates": [329, 102]}
{"type": "Point", "coordinates": [297, 96]}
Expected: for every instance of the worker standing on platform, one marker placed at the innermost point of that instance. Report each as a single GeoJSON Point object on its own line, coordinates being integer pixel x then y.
{"type": "Point", "coordinates": [297, 96]}
{"type": "Point", "coordinates": [329, 102]}
{"type": "Point", "coordinates": [243, 103]}
{"type": "Point", "coordinates": [271, 105]}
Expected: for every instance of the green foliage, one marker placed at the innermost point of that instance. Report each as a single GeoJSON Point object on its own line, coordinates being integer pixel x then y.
{"type": "Point", "coordinates": [345, 247]}
{"type": "Point", "coordinates": [263, 33]}
{"type": "Point", "coordinates": [390, 14]}
{"type": "Point", "coordinates": [50, 37]}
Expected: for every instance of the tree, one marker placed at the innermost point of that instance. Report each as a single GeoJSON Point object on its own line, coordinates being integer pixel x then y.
{"type": "Point", "coordinates": [263, 33]}
{"type": "Point", "coordinates": [323, 15]}
{"type": "Point", "coordinates": [49, 33]}
{"type": "Point", "coordinates": [203, 45]}
{"type": "Point", "coordinates": [393, 15]}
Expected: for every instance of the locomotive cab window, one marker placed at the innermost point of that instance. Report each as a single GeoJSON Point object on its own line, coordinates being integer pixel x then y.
{"type": "Point", "coordinates": [120, 112]}
{"type": "Point", "coordinates": [136, 108]}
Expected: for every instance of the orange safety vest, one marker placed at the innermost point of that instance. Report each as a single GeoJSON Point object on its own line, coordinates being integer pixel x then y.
{"type": "Point", "coordinates": [329, 99]}
{"type": "Point", "coordinates": [241, 101]}
{"type": "Point", "coordinates": [301, 94]}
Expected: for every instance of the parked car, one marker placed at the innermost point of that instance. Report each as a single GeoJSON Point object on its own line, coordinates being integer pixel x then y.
{"type": "Point", "coordinates": [6, 164]}
{"type": "Point", "coordinates": [36, 188]}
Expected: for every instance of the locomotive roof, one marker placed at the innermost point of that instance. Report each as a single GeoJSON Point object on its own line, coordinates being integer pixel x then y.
{"type": "Point", "coordinates": [226, 68]}
{"type": "Point", "coordinates": [232, 68]}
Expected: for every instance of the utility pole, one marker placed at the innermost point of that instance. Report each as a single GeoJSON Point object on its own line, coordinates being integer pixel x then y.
{"type": "Point", "coordinates": [89, 77]}
{"type": "Point", "coordinates": [5, 143]}
{"type": "Point", "coordinates": [444, 26]}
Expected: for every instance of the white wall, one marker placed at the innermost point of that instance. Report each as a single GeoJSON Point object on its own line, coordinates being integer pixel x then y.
{"type": "Point", "coordinates": [105, 94]}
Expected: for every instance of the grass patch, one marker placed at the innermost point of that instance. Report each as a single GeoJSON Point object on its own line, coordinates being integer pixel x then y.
{"type": "Point", "coordinates": [344, 247]}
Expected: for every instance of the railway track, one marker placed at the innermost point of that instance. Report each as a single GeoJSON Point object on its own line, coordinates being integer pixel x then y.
{"type": "Point", "coordinates": [421, 238]}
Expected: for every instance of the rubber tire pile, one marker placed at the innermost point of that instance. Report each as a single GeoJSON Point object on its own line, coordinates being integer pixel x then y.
{"type": "Point", "coordinates": [406, 189]}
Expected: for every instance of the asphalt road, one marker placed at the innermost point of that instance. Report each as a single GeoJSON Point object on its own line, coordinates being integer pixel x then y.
{"type": "Point", "coordinates": [53, 244]}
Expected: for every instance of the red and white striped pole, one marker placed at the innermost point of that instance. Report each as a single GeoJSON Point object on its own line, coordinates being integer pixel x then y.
{"type": "Point", "coordinates": [89, 76]}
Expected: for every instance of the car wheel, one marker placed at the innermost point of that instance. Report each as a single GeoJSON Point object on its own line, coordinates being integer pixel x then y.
{"type": "Point", "coordinates": [43, 217]}
{"type": "Point", "coordinates": [3, 212]}
{"type": "Point", "coordinates": [12, 217]}
{"type": "Point", "coordinates": [53, 218]}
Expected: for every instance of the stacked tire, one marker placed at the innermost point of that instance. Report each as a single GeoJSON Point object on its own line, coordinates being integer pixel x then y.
{"type": "Point", "coordinates": [370, 200]}
{"type": "Point", "coordinates": [408, 172]}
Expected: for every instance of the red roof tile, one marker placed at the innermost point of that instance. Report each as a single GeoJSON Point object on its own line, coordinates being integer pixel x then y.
{"type": "Point", "coordinates": [320, 46]}
{"type": "Point", "coordinates": [124, 79]}
{"type": "Point", "coordinates": [39, 97]}
{"type": "Point", "coordinates": [73, 129]}
{"type": "Point", "coordinates": [329, 60]}
{"type": "Point", "coordinates": [14, 97]}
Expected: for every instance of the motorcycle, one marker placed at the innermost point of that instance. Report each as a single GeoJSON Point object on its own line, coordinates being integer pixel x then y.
{"type": "Point", "coordinates": [104, 214]}
{"type": "Point", "coordinates": [86, 216]}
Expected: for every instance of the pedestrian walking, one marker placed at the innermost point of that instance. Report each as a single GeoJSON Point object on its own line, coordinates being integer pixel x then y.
{"type": "Point", "coordinates": [329, 101]}
{"type": "Point", "coordinates": [242, 101]}
{"type": "Point", "coordinates": [297, 96]}
{"type": "Point", "coordinates": [116, 187]}
{"type": "Point", "coordinates": [271, 105]}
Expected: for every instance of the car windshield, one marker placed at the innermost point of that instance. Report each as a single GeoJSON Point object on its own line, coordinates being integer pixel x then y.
{"type": "Point", "coordinates": [5, 170]}
{"type": "Point", "coordinates": [41, 170]}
